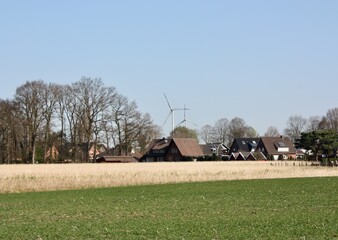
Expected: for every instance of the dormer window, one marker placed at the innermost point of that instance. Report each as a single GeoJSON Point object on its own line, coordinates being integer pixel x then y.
{"type": "Point", "coordinates": [281, 147]}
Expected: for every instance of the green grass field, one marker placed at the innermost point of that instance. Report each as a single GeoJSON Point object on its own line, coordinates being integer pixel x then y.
{"type": "Point", "coordinates": [305, 208]}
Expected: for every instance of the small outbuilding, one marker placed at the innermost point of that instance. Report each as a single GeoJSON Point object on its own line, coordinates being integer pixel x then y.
{"type": "Point", "coordinates": [116, 159]}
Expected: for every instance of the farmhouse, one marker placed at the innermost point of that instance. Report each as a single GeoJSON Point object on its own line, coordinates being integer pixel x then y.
{"type": "Point", "coordinates": [172, 150]}
{"type": "Point", "coordinates": [276, 148]}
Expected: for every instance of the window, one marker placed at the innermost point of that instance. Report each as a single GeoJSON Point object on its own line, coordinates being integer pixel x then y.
{"type": "Point", "coordinates": [281, 147]}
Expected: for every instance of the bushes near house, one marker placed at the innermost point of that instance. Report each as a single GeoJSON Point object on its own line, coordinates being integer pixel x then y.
{"type": "Point", "coordinates": [213, 157]}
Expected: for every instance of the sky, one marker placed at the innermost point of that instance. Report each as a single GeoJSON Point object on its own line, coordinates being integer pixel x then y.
{"type": "Point", "coordinates": [262, 61]}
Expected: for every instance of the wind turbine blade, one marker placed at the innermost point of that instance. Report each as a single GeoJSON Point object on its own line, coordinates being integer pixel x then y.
{"type": "Point", "coordinates": [167, 118]}
{"type": "Point", "coordinates": [180, 123]}
{"type": "Point", "coordinates": [195, 124]}
{"type": "Point", "coordinates": [171, 109]}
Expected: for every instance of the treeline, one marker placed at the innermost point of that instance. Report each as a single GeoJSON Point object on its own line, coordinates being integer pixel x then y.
{"type": "Point", "coordinates": [44, 117]}
{"type": "Point", "coordinates": [225, 131]}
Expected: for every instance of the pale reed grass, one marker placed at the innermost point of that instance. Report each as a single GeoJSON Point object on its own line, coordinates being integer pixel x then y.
{"type": "Point", "coordinates": [50, 177]}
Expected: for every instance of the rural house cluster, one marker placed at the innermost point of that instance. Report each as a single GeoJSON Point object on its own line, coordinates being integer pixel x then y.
{"type": "Point", "coordinates": [188, 149]}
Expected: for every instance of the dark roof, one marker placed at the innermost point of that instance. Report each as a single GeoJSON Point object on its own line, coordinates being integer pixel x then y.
{"type": "Point", "coordinates": [116, 159]}
{"type": "Point", "coordinates": [210, 148]}
{"type": "Point", "coordinates": [250, 156]}
{"type": "Point", "coordinates": [161, 145]}
{"type": "Point", "coordinates": [240, 156]}
{"type": "Point", "coordinates": [247, 156]}
{"type": "Point", "coordinates": [245, 144]}
{"type": "Point", "coordinates": [233, 156]}
{"type": "Point", "coordinates": [272, 144]}
{"type": "Point", "coordinates": [206, 149]}
{"type": "Point", "coordinates": [157, 144]}
{"type": "Point", "coordinates": [188, 147]}
{"type": "Point", "coordinates": [259, 155]}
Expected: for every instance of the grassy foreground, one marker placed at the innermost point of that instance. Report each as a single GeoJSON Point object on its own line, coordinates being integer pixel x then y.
{"type": "Point", "coordinates": [305, 208]}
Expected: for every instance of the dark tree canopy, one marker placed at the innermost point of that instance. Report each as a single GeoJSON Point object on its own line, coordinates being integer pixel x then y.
{"type": "Point", "coordinates": [318, 142]}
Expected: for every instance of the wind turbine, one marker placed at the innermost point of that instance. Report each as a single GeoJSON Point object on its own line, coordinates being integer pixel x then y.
{"type": "Point", "coordinates": [172, 113]}
{"type": "Point", "coordinates": [185, 120]}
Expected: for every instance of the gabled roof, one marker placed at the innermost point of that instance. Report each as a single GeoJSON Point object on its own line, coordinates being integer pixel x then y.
{"type": "Point", "coordinates": [233, 156]}
{"type": "Point", "coordinates": [259, 155]}
{"type": "Point", "coordinates": [252, 156]}
{"type": "Point", "coordinates": [211, 148]}
{"type": "Point", "coordinates": [206, 149]}
{"type": "Point", "coordinates": [271, 144]}
{"type": "Point", "coordinates": [240, 156]}
{"type": "Point", "coordinates": [245, 144]}
{"type": "Point", "coordinates": [188, 147]}
{"type": "Point", "coordinates": [158, 144]}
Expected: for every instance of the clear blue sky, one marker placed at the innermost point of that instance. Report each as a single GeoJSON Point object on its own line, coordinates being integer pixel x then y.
{"type": "Point", "coordinates": [262, 61]}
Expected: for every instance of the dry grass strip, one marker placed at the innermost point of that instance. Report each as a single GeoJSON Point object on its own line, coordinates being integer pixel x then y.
{"type": "Point", "coordinates": [50, 177]}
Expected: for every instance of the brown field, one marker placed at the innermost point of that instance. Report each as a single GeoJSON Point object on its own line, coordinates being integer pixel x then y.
{"type": "Point", "coordinates": [41, 177]}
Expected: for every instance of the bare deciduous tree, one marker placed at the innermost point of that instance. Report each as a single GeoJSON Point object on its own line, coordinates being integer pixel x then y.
{"type": "Point", "coordinates": [130, 125]}
{"type": "Point", "coordinates": [313, 123]}
{"type": "Point", "coordinates": [93, 100]}
{"type": "Point", "coordinates": [222, 130]}
{"type": "Point", "coordinates": [332, 119]}
{"type": "Point", "coordinates": [10, 132]}
{"type": "Point", "coordinates": [147, 134]}
{"type": "Point", "coordinates": [30, 101]}
{"type": "Point", "coordinates": [272, 131]}
{"type": "Point", "coordinates": [60, 109]}
{"type": "Point", "coordinates": [207, 133]}
{"type": "Point", "coordinates": [48, 93]}
{"type": "Point", "coordinates": [295, 126]}
{"type": "Point", "coordinates": [226, 131]}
